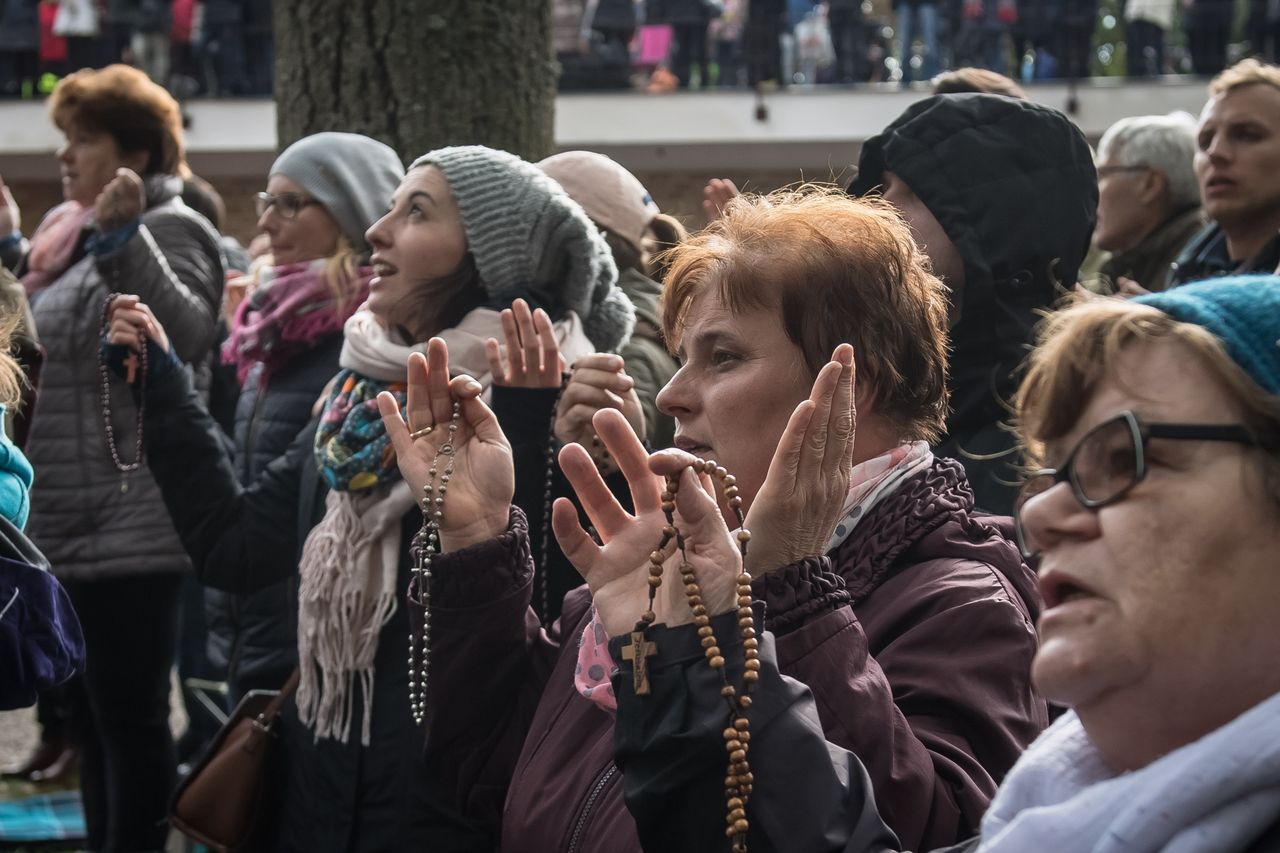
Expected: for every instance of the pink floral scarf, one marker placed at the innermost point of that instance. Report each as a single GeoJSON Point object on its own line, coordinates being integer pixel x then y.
{"type": "Point", "coordinates": [869, 482]}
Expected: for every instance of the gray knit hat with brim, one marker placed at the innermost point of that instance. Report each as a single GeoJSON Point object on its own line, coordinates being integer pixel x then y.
{"type": "Point", "coordinates": [353, 176]}
{"type": "Point", "coordinates": [530, 240]}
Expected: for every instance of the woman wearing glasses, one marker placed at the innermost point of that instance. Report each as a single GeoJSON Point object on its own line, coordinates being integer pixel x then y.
{"type": "Point", "coordinates": [285, 334]}
{"type": "Point", "coordinates": [1157, 525]}
{"type": "Point", "coordinates": [466, 230]}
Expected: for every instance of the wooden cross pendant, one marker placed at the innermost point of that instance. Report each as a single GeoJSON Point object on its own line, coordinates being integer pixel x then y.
{"type": "Point", "coordinates": [637, 651]}
{"type": "Point", "coordinates": [131, 364]}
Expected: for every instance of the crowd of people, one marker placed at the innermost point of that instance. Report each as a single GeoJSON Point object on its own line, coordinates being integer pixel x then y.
{"type": "Point", "coordinates": [933, 512]}
{"type": "Point", "coordinates": [224, 47]}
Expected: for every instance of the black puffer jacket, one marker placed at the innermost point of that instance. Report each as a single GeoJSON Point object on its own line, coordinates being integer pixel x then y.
{"type": "Point", "coordinates": [253, 636]}
{"type": "Point", "coordinates": [1013, 185]}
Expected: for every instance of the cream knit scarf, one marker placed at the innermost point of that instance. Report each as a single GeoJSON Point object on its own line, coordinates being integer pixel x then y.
{"type": "Point", "coordinates": [350, 561]}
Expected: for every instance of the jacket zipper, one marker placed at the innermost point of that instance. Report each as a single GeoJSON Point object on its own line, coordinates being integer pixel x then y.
{"type": "Point", "coordinates": [255, 418]}
{"type": "Point", "coordinates": [589, 806]}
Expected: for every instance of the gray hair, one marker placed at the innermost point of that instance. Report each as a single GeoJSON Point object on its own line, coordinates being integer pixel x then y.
{"type": "Point", "coordinates": [1166, 143]}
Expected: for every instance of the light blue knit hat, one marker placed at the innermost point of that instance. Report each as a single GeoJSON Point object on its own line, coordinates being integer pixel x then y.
{"type": "Point", "coordinates": [530, 240]}
{"type": "Point", "coordinates": [1241, 311]}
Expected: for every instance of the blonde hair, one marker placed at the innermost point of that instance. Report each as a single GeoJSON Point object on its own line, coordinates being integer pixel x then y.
{"type": "Point", "coordinates": [835, 269]}
{"type": "Point", "coordinates": [12, 376]}
{"type": "Point", "coordinates": [1078, 348]}
{"type": "Point", "coordinates": [340, 273]}
{"type": "Point", "coordinates": [1246, 72]}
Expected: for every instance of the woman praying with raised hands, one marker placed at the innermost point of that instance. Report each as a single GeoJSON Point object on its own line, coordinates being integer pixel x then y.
{"type": "Point", "coordinates": [908, 616]}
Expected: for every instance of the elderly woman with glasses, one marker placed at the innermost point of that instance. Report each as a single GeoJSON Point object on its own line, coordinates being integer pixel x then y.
{"type": "Point", "coordinates": [1157, 524]}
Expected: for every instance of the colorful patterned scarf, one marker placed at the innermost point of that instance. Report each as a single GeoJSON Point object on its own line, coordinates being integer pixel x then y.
{"type": "Point", "coordinates": [353, 449]}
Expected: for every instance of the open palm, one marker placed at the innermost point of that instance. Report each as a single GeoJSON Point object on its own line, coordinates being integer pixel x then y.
{"type": "Point", "coordinates": [617, 571]}
{"type": "Point", "coordinates": [480, 487]}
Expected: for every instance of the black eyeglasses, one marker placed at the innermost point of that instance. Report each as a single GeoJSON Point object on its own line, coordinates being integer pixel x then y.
{"type": "Point", "coordinates": [286, 204]}
{"type": "Point", "coordinates": [1111, 459]}
{"type": "Point", "coordinates": [1103, 171]}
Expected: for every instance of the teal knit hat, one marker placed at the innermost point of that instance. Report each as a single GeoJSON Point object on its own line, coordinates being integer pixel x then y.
{"type": "Point", "coordinates": [530, 240]}
{"type": "Point", "coordinates": [1241, 311]}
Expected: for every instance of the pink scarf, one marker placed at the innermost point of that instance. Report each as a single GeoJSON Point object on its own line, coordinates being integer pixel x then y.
{"type": "Point", "coordinates": [292, 308]}
{"type": "Point", "coordinates": [54, 243]}
{"type": "Point", "coordinates": [869, 482]}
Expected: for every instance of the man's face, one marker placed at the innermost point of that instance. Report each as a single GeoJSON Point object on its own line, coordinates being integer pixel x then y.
{"type": "Point", "coordinates": [930, 237]}
{"type": "Point", "coordinates": [1131, 204]}
{"type": "Point", "coordinates": [1238, 155]}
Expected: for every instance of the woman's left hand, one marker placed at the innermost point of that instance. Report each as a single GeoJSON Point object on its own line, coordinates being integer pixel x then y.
{"type": "Point", "coordinates": [130, 323]}
{"type": "Point", "coordinates": [531, 357]}
{"type": "Point", "coordinates": [618, 571]}
{"type": "Point", "coordinates": [122, 201]}
{"type": "Point", "coordinates": [799, 504]}
{"type": "Point", "coordinates": [477, 502]}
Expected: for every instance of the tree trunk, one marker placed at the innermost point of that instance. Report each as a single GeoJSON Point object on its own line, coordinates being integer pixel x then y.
{"type": "Point", "coordinates": [418, 74]}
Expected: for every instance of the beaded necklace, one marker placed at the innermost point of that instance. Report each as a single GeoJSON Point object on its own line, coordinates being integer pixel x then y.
{"type": "Point", "coordinates": [136, 365]}
{"type": "Point", "coordinates": [423, 550]}
{"type": "Point", "coordinates": [739, 780]}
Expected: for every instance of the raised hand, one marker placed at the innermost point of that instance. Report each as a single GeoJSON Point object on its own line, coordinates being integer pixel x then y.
{"type": "Point", "coordinates": [618, 571]}
{"type": "Point", "coordinates": [478, 500]}
{"type": "Point", "coordinates": [130, 323]}
{"type": "Point", "coordinates": [121, 201]}
{"type": "Point", "coordinates": [598, 381]}
{"type": "Point", "coordinates": [531, 357]}
{"type": "Point", "coordinates": [10, 214]}
{"type": "Point", "coordinates": [797, 508]}
{"type": "Point", "coordinates": [716, 196]}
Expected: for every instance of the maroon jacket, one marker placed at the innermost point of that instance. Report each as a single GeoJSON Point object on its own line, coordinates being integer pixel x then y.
{"type": "Point", "coordinates": [915, 635]}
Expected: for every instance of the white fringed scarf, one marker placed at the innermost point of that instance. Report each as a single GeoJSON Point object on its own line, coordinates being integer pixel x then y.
{"type": "Point", "coordinates": [350, 561]}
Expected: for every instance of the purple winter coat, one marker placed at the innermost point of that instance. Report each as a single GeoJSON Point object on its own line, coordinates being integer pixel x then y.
{"type": "Point", "coordinates": [916, 637]}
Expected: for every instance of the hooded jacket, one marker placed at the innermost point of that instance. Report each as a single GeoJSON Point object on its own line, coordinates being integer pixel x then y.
{"type": "Point", "coordinates": [915, 635]}
{"type": "Point", "coordinates": [1012, 183]}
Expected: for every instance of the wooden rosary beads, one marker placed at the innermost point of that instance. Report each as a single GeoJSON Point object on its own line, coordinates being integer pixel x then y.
{"type": "Point", "coordinates": [426, 544]}
{"type": "Point", "coordinates": [739, 780]}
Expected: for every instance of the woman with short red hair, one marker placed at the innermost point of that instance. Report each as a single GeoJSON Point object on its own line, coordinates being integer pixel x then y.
{"type": "Point", "coordinates": [909, 616]}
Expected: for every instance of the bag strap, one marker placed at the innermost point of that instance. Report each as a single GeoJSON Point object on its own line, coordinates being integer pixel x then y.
{"type": "Point", "coordinates": [272, 710]}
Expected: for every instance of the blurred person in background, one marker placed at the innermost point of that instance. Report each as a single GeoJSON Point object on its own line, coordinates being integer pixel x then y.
{"type": "Point", "coordinates": [121, 225]}
{"type": "Point", "coordinates": [1207, 24]}
{"type": "Point", "coordinates": [968, 173]}
{"type": "Point", "coordinates": [1238, 166]}
{"type": "Point", "coordinates": [1148, 199]}
{"type": "Point", "coordinates": [918, 19]}
{"type": "Point", "coordinates": [1146, 26]}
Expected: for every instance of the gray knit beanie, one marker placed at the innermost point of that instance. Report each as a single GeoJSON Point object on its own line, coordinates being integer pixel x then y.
{"type": "Point", "coordinates": [529, 239]}
{"type": "Point", "coordinates": [353, 176]}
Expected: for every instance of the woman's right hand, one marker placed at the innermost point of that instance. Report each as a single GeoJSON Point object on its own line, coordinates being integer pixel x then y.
{"type": "Point", "coordinates": [477, 502]}
{"type": "Point", "coordinates": [598, 381]}
{"type": "Point", "coordinates": [618, 571]}
{"type": "Point", "coordinates": [10, 214]}
{"type": "Point", "coordinates": [130, 323]}
{"type": "Point", "coordinates": [531, 357]}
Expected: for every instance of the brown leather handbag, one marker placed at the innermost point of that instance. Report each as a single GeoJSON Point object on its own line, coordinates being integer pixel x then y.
{"type": "Point", "coordinates": [223, 799]}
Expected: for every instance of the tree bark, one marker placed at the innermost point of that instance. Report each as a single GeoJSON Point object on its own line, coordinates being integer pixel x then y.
{"type": "Point", "coordinates": [418, 74]}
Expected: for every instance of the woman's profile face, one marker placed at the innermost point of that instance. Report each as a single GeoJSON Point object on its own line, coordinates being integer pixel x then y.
{"type": "Point", "coordinates": [88, 160]}
{"type": "Point", "coordinates": [741, 378]}
{"type": "Point", "coordinates": [310, 234]}
{"type": "Point", "coordinates": [419, 240]}
{"type": "Point", "coordinates": [1165, 600]}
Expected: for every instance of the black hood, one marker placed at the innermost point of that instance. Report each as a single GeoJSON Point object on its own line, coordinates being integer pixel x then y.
{"type": "Point", "coordinates": [1013, 185]}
